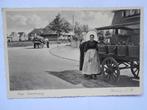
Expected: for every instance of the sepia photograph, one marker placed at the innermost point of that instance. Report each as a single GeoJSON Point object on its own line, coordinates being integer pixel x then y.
{"type": "Point", "coordinates": [57, 52]}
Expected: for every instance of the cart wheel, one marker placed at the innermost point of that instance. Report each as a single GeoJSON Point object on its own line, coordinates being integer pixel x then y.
{"type": "Point", "coordinates": [110, 69]}
{"type": "Point", "coordinates": [135, 69]}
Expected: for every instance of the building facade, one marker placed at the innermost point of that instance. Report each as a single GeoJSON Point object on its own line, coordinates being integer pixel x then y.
{"type": "Point", "coordinates": [17, 36]}
{"type": "Point", "coordinates": [49, 34]}
{"type": "Point", "coordinates": [129, 18]}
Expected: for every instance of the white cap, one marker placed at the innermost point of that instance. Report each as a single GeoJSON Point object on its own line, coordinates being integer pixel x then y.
{"type": "Point", "coordinates": [87, 37]}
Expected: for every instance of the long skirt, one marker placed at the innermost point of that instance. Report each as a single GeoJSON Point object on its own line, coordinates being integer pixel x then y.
{"type": "Point", "coordinates": [91, 62]}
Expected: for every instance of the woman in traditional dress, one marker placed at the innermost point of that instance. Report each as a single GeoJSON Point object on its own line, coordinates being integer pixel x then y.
{"type": "Point", "coordinates": [91, 66]}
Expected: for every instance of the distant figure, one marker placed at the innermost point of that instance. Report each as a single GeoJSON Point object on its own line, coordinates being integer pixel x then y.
{"type": "Point", "coordinates": [47, 43]}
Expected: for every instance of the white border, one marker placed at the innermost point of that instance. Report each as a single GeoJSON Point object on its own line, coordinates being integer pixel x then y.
{"type": "Point", "coordinates": [74, 92]}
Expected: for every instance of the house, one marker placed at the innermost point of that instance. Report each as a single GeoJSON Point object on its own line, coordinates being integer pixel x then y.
{"type": "Point", "coordinates": [129, 18]}
{"type": "Point", "coordinates": [35, 30]}
{"type": "Point", "coordinates": [9, 39]}
{"type": "Point", "coordinates": [49, 34]}
{"type": "Point", "coordinates": [127, 23]}
{"type": "Point", "coordinates": [43, 32]}
{"type": "Point", "coordinates": [67, 36]}
{"type": "Point", "coordinates": [14, 36]}
{"type": "Point", "coordinates": [22, 36]}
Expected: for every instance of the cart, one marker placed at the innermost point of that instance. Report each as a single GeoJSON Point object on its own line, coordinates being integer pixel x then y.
{"type": "Point", "coordinates": [38, 42]}
{"type": "Point", "coordinates": [122, 52]}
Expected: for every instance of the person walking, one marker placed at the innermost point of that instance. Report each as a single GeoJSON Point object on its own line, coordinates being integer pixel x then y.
{"type": "Point", "coordinates": [91, 66]}
{"type": "Point", "coordinates": [47, 43]}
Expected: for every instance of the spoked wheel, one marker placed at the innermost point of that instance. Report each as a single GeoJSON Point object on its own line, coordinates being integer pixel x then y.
{"type": "Point", "coordinates": [135, 69]}
{"type": "Point", "coordinates": [110, 69]}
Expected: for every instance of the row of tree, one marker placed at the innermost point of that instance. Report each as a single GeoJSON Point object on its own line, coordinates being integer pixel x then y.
{"type": "Point", "coordinates": [60, 25]}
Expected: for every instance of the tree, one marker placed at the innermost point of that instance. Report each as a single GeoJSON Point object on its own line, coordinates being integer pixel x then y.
{"type": "Point", "coordinates": [85, 28]}
{"type": "Point", "coordinates": [79, 29]}
{"type": "Point", "coordinates": [60, 25]}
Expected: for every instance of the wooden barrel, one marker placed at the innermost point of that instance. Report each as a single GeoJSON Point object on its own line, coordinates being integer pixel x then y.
{"type": "Point", "coordinates": [112, 49]}
{"type": "Point", "coordinates": [121, 50]}
{"type": "Point", "coordinates": [133, 51]}
{"type": "Point", "coordinates": [102, 49]}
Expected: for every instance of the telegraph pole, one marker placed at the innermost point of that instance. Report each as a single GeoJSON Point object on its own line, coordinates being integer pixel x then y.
{"type": "Point", "coordinates": [73, 30]}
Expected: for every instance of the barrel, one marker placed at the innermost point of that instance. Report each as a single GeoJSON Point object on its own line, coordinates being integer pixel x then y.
{"type": "Point", "coordinates": [121, 50]}
{"type": "Point", "coordinates": [102, 49]}
{"type": "Point", "coordinates": [133, 51]}
{"type": "Point", "coordinates": [111, 49]}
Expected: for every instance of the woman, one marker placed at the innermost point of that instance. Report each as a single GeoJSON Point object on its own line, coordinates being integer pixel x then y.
{"type": "Point", "coordinates": [91, 66]}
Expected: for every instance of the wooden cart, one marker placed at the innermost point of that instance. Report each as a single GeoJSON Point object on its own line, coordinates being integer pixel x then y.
{"type": "Point", "coordinates": [119, 53]}
{"type": "Point", "coordinates": [38, 42]}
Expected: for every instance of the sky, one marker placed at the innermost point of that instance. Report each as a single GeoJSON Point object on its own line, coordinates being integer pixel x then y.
{"type": "Point", "coordinates": [25, 21]}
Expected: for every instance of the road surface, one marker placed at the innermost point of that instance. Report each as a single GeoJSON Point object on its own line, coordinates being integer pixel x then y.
{"type": "Point", "coordinates": [32, 69]}
{"type": "Point", "coordinates": [29, 69]}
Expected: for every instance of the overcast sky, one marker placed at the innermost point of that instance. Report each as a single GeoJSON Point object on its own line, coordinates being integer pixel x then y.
{"type": "Point", "coordinates": [26, 21]}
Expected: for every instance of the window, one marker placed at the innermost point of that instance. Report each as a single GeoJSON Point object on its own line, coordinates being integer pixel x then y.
{"type": "Point", "coordinates": [129, 13]}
